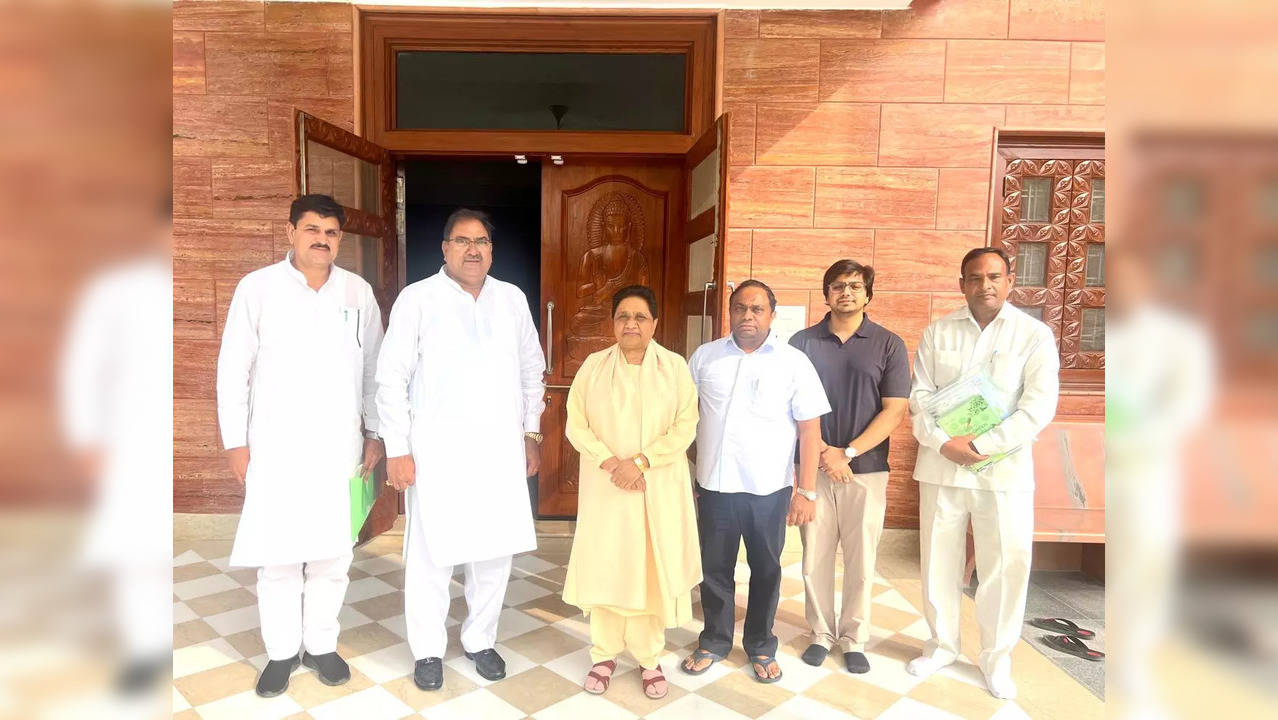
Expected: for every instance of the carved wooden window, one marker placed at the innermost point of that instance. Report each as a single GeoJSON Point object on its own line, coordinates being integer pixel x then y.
{"type": "Point", "coordinates": [1051, 221]}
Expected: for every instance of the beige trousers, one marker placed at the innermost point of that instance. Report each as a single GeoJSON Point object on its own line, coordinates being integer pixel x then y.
{"type": "Point", "coordinates": [612, 633]}
{"type": "Point", "coordinates": [848, 516]}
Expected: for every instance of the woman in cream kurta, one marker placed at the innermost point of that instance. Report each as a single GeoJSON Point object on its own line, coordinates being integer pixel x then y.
{"type": "Point", "coordinates": [632, 413]}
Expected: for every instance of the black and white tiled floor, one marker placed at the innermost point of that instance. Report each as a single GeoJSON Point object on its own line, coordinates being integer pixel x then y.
{"type": "Point", "coordinates": [218, 651]}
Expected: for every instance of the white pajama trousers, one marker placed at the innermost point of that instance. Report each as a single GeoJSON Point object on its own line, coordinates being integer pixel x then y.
{"type": "Point", "coordinates": [299, 604]}
{"type": "Point", "coordinates": [1003, 533]}
{"type": "Point", "coordinates": [427, 599]}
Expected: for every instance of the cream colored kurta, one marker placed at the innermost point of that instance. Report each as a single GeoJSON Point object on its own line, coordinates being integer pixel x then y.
{"type": "Point", "coordinates": [635, 553]}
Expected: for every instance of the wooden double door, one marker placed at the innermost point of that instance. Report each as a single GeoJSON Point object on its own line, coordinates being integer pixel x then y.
{"type": "Point", "coordinates": [607, 222]}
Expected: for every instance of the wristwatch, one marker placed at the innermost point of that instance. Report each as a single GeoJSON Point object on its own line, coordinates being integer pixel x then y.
{"type": "Point", "coordinates": [372, 435]}
{"type": "Point", "coordinates": [641, 462]}
{"type": "Point", "coordinates": [850, 452]}
{"type": "Point", "coordinates": [535, 437]}
{"type": "Point", "coordinates": [809, 494]}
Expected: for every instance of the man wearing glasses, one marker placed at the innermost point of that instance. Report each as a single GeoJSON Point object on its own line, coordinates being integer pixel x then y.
{"type": "Point", "coordinates": [866, 373]}
{"type": "Point", "coordinates": [460, 396]}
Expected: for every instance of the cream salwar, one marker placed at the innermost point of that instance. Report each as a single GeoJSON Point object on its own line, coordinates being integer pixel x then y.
{"type": "Point", "coordinates": [635, 554]}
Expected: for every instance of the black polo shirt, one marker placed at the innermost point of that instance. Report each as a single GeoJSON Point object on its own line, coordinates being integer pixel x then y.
{"type": "Point", "coordinates": [871, 365]}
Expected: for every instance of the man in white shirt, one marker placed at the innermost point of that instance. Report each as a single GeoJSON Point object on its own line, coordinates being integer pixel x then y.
{"type": "Point", "coordinates": [757, 395]}
{"type": "Point", "coordinates": [294, 381]}
{"type": "Point", "coordinates": [460, 396]}
{"type": "Point", "coordinates": [1021, 356]}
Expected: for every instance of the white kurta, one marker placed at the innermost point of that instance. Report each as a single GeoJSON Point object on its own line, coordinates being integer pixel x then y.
{"type": "Point", "coordinates": [294, 380]}
{"type": "Point", "coordinates": [460, 380]}
{"type": "Point", "coordinates": [117, 398]}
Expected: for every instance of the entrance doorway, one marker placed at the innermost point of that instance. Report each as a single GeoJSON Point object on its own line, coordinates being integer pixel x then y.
{"type": "Point", "coordinates": [615, 190]}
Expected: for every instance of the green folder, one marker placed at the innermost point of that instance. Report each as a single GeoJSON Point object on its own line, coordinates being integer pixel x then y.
{"type": "Point", "coordinates": [363, 495]}
{"type": "Point", "coordinates": [975, 416]}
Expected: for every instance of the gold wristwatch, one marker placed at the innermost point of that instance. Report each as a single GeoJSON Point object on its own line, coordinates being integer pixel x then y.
{"type": "Point", "coordinates": [535, 436]}
{"type": "Point", "coordinates": [641, 461]}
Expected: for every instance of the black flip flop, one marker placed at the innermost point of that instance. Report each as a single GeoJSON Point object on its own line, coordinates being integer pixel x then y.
{"type": "Point", "coordinates": [764, 661]}
{"type": "Point", "coordinates": [697, 656]}
{"type": "Point", "coordinates": [1073, 646]}
{"type": "Point", "coordinates": [1064, 627]}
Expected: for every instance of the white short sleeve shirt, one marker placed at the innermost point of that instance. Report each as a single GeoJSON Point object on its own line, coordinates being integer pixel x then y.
{"type": "Point", "coordinates": [751, 404]}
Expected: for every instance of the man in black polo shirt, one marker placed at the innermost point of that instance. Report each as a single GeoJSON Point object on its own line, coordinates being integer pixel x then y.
{"type": "Point", "coordinates": [866, 374]}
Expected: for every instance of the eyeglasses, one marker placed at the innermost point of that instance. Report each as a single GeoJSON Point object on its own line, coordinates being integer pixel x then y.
{"type": "Point", "coordinates": [838, 287]}
{"type": "Point", "coordinates": [482, 243]}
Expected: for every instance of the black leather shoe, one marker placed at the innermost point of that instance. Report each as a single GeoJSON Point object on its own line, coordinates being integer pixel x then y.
{"type": "Point", "coordinates": [856, 662]}
{"type": "Point", "coordinates": [488, 664]}
{"type": "Point", "coordinates": [815, 655]}
{"type": "Point", "coordinates": [428, 674]}
{"type": "Point", "coordinates": [330, 667]}
{"type": "Point", "coordinates": [274, 677]}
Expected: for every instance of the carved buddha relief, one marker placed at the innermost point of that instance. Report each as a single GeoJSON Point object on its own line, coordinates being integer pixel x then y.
{"type": "Point", "coordinates": [614, 258]}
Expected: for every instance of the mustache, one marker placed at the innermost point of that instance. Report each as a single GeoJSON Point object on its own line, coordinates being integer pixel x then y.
{"type": "Point", "coordinates": [321, 245]}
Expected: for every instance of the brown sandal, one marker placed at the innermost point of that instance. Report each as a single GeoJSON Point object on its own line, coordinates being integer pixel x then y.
{"type": "Point", "coordinates": [602, 679]}
{"type": "Point", "coordinates": [649, 682]}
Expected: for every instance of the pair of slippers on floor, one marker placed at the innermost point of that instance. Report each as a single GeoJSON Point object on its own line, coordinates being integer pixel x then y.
{"type": "Point", "coordinates": [1070, 640]}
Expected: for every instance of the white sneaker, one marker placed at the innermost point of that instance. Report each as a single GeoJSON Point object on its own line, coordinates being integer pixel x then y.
{"type": "Point", "coordinates": [1001, 685]}
{"type": "Point", "coordinates": [925, 665]}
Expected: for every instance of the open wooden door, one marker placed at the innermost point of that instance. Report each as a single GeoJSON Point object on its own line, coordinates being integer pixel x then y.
{"type": "Point", "coordinates": [361, 177]}
{"type": "Point", "coordinates": [606, 224]}
{"type": "Point", "coordinates": [699, 251]}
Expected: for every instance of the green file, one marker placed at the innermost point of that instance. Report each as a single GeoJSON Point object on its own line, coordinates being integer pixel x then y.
{"type": "Point", "coordinates": [363, 495]}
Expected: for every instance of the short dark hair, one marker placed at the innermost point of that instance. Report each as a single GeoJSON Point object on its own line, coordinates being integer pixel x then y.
{"type": "Point", "coordinates": [639, 291]}
{"type": "Point", "coordinates": [467, 214]}
{"type": "Point", "coordinates": [848, 266]}
{"type": "Point", "coordinates": [322, 205]}
{"type": "Point", "coordinates": [772, 298]}
{"type": "Point", "coordinates": [977, 252]}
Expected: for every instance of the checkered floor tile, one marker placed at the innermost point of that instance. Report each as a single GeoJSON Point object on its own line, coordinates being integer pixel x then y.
{"type": "Point", "coordinates": [218, 652]}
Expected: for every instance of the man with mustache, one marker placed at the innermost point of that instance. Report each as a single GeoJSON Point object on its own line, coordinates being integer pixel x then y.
{"type": "Point", "coordinates": [758, 395]}
{"type": "Point", "coordinates": [294, 384]}
{"type": "Point", "coordinates": [460, 393]}
{"type": "Point", "coordinates": [1021, 358]}
{"type": "Point", "coordinates": [866, 373]}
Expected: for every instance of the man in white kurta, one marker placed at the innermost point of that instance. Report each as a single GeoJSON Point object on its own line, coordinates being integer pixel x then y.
{"type": "Point", "coordinates": [1021, 355]}
{"type": "Point", "coordinates": [117, 403]}
{"type": "Point", "coordinates": [460, 396]}
{"type": "Point", "coordinates": [294, 383]}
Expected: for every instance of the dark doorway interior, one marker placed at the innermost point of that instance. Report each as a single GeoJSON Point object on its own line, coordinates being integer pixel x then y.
{"type": "Point", "coordinates": [509, 192]}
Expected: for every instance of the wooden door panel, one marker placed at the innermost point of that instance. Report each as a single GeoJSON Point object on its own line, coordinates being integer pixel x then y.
{"type": "Point", "coordinates": [605, 225]}
{"type": "Point", "coordinates": [613, 232]}
{"type": "Point", "coordinates": [360, 175]}
{"type": "Point", "coordinates": [557, 480]}
{"type": "Point", "coordinates": [701, 286]}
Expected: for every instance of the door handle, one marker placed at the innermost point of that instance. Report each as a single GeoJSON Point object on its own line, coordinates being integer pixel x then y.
{"type": "Point", "coordinates": [705, 305]}
{"type": "Point", "coordinates": [550, 335]}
